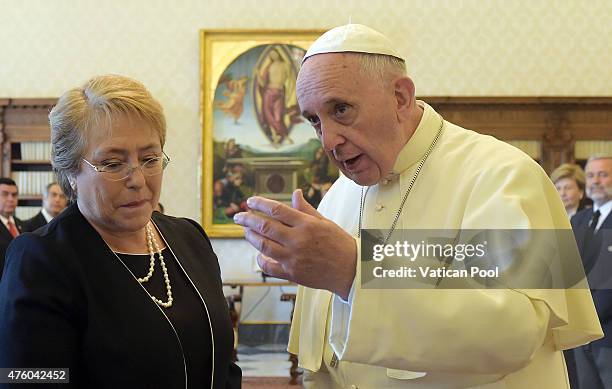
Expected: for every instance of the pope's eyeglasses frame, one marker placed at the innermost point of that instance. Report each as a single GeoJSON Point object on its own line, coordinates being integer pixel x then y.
{"type": "Point", "coordinates": [107, 174]}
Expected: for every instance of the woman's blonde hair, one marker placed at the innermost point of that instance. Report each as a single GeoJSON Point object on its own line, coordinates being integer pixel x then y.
{"type": "Point", "coordinates": [91, 108]}
{"type": "Point", "coordinates": [571, 171]}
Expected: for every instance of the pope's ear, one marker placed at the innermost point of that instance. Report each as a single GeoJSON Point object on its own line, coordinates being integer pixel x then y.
{"type": "Point", "coordinates": [404, 94]}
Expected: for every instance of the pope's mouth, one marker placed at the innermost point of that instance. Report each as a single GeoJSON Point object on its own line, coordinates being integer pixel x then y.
{"type": "Point", "coordinates": [352, 163]}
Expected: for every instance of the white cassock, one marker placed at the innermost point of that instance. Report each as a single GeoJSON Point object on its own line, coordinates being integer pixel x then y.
{"type": "Point", "coordinates": [417, 338]}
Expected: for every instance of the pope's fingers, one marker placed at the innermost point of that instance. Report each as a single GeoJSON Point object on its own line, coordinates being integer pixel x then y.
{"type": "Point", "coordinates": [271, 267]}
{"type": "Point", "coordinates": [276, 210]}
{"type": "Point", "coordinates": [264, 245]}
{"type": "Point", "coordinates": [299, 202]}
{"type": "Point", "coordinates": [263, 225]}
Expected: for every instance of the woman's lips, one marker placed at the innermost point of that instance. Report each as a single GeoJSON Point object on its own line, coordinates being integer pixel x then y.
{"type": "Point", "coordinates": [135, 204]}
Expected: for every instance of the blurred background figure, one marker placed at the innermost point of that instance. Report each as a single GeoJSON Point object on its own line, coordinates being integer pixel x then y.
{"type": "Point", "coordinates": [569, 181]}
{"type": "Point", "coordinates": [10, 227]}
{"type": "Point", "coordinates": [593, 230]}
{"type": "Point", "coordinates": [53, 202]}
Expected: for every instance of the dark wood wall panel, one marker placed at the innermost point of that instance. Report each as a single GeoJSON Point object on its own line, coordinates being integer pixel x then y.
{"type": "Point", "coordinates": [556, 122]}
{"type": "Point", "coordinates": [22, 120]}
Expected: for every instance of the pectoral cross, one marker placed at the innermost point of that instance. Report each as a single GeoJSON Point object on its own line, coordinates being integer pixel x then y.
{"type": "Point", "coordinates": [334, 361]}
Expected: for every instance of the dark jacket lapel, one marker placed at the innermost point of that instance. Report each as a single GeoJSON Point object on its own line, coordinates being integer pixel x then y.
{"type": "Point", "coordinates": [5, 235]}
{"type": "Point", "coordinates": [607, 224]}
{"type": "Point", "coordinates": [196, 256]}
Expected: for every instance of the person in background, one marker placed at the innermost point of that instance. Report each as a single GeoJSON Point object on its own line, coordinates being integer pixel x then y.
{"type": "Point", "coordinates": [120, 295]}
{"type": "Point", "coordinates": [569, 181]}
{"type": "Point", "coordinates": [11, 226]}
{"type": "Point", "coordinates": [53, 202]}
{"type": "Point", "coordinates": [593, 230]}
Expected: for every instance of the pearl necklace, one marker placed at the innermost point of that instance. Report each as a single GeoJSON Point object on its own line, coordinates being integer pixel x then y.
{"type": "Point", "coordinates": [154, 248]}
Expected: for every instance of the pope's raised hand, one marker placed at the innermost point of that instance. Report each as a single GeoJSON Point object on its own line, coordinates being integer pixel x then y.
{"type": "Point", "coordinates": [300, 245]}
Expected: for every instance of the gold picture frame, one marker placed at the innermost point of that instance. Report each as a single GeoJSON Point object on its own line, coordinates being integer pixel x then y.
{"type": "Point", "coordinates": [254, 140]}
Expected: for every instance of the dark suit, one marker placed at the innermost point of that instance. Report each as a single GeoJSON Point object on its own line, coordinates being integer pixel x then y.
{"type": "Point", "coordinates": [594, 360]}
{"type": "Point", "coordinates": [68, 301]}
{"type": "Point", "coordinates": [5, 239]}
{"type": "Point", "coordinates": [34, 223]}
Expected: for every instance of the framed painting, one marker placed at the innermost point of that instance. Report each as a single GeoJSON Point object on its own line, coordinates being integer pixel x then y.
{"type": "Point", "coordinates": [255, 141]}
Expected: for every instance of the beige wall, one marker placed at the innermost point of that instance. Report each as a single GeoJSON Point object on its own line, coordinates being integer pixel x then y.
{"type": "Point", "coordinates": [453, 47]}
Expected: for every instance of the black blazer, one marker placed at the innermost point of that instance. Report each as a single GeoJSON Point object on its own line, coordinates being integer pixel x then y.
{"type": "Point", "coordinates": [34, 223]}
{"type": "Point", "coordinates": [67, 301]}
{"type": "Point", "coordinates": [596, 253]}
{"type": "Point", "coordinates": [5, 240]}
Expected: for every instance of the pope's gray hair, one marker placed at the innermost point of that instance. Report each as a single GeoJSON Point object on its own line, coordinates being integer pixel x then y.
{"type": "Point", "coordinates": [382, 66]}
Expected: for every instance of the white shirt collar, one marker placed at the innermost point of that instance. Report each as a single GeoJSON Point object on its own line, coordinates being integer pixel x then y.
{"type": "Point", "coordinates": [604, 210]}
{"type": "Point", "coordinates": [47, 215]}
{"type": "Point", "coordinates": [6, 220]}
{"type": "Point", "coordinates": [416, 147]}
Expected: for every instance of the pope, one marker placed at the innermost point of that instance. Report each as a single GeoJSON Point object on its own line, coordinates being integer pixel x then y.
{"type": "Point", "coordinates": [404, 167]}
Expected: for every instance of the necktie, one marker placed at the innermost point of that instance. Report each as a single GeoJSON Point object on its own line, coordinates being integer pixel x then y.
{"type": "Point", "coordinates": [12, 229]}
{"type": "Point", "coordinates": [594, 220]}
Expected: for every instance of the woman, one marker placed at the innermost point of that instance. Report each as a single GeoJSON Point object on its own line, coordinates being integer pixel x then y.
{"type": "Point", "coordinates": [569, 181]}
{"type": "Point", "coordinates": [117, 293]}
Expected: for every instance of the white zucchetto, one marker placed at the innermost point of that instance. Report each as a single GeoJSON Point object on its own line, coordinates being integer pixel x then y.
{"type": "Point", "coordinates": [352, 38]}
